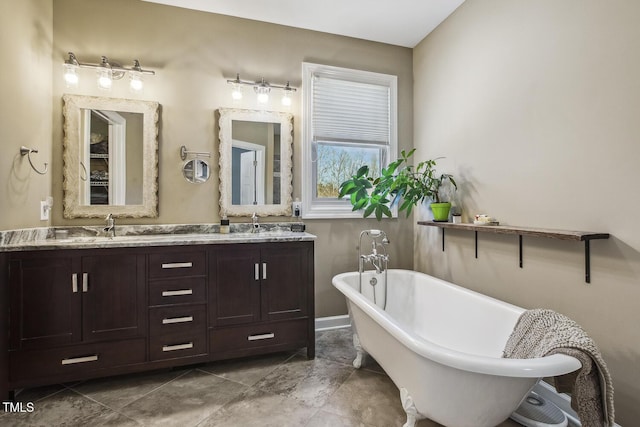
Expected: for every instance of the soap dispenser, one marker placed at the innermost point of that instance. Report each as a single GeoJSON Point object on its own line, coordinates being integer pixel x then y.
{"type": "Point", "coordinates": [224, 225]}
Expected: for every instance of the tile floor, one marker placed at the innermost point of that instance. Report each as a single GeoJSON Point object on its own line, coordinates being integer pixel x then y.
{"type": "Point", "coordinates": [283, 390]}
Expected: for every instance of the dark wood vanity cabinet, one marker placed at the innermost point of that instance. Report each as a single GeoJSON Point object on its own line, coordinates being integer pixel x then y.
{"type": "Point", "coordinates": [261, 299]}
{"type": "Point", "coordinates": [71, 312]}
{"type": "Point", "coordinates": [76, 314]}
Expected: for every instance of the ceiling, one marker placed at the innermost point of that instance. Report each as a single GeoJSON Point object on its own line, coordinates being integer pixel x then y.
{"type": "Point", "coordinates": [397, 22]}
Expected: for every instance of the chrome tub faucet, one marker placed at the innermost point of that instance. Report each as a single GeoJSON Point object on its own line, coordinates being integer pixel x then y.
{"type": "Point", "coordinates": [378, 260]}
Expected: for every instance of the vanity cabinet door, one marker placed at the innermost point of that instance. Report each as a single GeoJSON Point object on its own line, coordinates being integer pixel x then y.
{"type": "Point", "coordinates": [45, 301]}
{"type": "Point", "coordinates": [113, 296]}
{"type": "Point", "coordinates": [234, 291]}
{"type": "Point", "coordinates": [284, 281]}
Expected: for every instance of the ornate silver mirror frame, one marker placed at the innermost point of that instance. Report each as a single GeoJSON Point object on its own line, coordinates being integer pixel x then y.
{"type": "Point", "coordinates": [75, 173]}
{"type": "Point", "coordinates": [285, 120]}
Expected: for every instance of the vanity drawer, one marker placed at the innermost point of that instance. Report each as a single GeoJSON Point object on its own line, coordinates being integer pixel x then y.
{"type": "Point", "coordinates": [75, 359]}
{"type": "Point", "coordinates": [179, 344]}
{"type": "Point", "coordinates": [182, 318]}
{"type": "Point", "coordinates": [177, 291]}
{"type": "Point", "coordinates": [260, 335]}
{"type": "Point", "coordinates": [177, 264]}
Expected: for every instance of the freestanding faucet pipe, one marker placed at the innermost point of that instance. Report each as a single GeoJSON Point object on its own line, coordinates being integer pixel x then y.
{"type": "Point", "coordinates": [378, 260]}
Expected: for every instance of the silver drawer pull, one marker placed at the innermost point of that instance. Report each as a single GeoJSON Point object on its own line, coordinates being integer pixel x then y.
{"type": "Point", "coordinates": [84, 359]}
{"type": "Point", "coordinates": [74, 282]}
{"type": "Point", "coordinates": [169, 320]}
{"type": "Point", "coordinates": [85, 282]}
{"type": "Point", "coordinates": [261, 337]}
{"type": "Point", "coordinates": [177, 347]}
{"type": "Point", "coordinates": [178, 265]}
{"type": "Point", "coordinates": [177, 293]}
{"type": "Point", "coordinates": [256, 271]}
{"type": "Point", "coordinates": [264, 270]}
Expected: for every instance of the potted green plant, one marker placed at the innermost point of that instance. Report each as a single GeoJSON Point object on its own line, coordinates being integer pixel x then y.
{"type": "Point", "coordinates": [400, 184]}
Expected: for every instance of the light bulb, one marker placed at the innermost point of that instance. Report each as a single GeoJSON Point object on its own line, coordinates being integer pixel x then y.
{"type": "Point", "coordinates": [105, 78]}
{"type": "Point", "coordinates": [135, 81]}
{"type": "Point", "coordinates": [263, 97]}
{"type": "Point", "coordinates": [262, 90]}
{"type": "Point", "coordinates": [71, 75]}
{"type": "Point", "coordinates": [286, 96]}
{"type": "Point", "coordinates": [286, 99]}
{"type": "Point", "coordinates": [236, 92]}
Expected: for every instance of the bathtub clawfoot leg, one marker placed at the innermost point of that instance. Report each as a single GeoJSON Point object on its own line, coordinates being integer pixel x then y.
{"type": "Point", "coordinates": [409, 408]}
{"type": "Point", "coordinates": [357, 363]}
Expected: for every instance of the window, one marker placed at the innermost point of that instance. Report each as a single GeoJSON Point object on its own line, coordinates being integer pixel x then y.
{"type": "Point", "coordinates": [349, 121]}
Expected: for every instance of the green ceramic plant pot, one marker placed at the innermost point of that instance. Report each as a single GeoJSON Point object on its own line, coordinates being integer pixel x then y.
{"type": "Point", "coordinates": [441, 211]}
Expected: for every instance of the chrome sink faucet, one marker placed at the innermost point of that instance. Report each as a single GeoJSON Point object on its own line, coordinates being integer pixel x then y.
{"type": "Point", "coordinates": [110, 229]}
{"type": "Point", "coordinates": [256, 225]}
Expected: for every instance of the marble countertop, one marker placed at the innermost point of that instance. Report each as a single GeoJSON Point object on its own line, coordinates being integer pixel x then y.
{"type": "Point", "coordinates": [47, 238]}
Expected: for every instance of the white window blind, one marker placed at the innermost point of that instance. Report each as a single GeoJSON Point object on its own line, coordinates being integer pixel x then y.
{"type": "Point", "coordinates": [349, 111]}
{"type": "Point", "coordinates": [349, 119]}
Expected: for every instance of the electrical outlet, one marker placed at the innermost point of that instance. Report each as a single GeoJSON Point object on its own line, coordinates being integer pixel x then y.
{"type": "Point", "coordinates": [44, 210]}
{"type": "Point", "coordinates": [296, 209]}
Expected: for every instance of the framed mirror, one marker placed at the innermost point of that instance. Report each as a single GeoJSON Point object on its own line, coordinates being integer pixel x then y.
{"type": "Point", "coordinates": [255, 162]}
{"type": "Point", "coordinates": [110, 157]}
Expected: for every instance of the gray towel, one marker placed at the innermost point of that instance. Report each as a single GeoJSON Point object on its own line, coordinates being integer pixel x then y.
{"type": "Point", "coordinates": [543, 332]}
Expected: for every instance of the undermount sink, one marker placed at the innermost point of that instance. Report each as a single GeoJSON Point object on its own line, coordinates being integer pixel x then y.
{"type": "Point", "coordinates": [89, 239]}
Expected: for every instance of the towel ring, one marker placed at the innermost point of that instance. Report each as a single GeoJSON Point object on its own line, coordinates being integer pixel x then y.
{"type": "Point", "coordinates": [27, 151]}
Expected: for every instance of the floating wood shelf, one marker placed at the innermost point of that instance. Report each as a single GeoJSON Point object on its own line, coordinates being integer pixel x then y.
{"type": "Point", "coordinates": [579, 236]}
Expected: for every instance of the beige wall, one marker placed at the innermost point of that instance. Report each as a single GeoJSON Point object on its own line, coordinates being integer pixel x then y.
{"type": "Point", "coordinates": [535, 105]}
{"type": "Point", "coordinates": [193, 54]}
{"type": "Point", "coordinates": [26, 36]}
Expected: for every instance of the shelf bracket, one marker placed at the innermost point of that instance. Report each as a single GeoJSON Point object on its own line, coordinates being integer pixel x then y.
{"type": "Point", "coordinates": [587, 262]}
{"type": "Point", "coordinates": [520, 248]}
{"type": "Point", "coordinates": [476, 233]}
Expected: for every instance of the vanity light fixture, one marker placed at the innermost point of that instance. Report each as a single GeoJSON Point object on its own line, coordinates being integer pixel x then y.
{"type": "Point", "coordinates": [262, 88]}
{"type": "Point", "coordinates": [107, 72]}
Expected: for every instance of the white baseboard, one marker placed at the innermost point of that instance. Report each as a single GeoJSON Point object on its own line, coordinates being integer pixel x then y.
{"type": "Point", "coordinates": [332, 322]}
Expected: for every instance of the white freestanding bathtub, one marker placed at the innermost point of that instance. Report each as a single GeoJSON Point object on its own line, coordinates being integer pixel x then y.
{"type": "Point", "coordinates": [442, 344]}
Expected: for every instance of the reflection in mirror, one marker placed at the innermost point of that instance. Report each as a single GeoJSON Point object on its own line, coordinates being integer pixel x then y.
{"type": "Point", "coordinates": [112, 150]}
{"type": "Point", "coordinates": [255, 151]}
{"type": "Point", "coordinates": [110, 157]}
{"type": "Point", "coordinates": [196, 171]}
{"type": "Point", "coordinates": [255, 162]}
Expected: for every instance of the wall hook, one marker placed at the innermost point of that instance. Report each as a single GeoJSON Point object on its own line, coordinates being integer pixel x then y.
{"type": "Point", "coordinates": [27, 151]}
